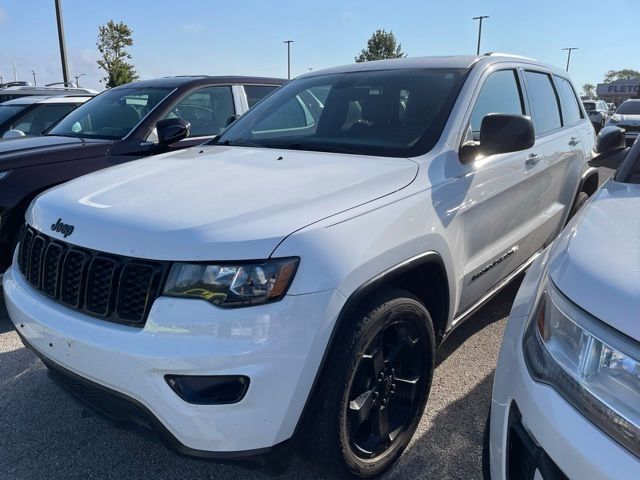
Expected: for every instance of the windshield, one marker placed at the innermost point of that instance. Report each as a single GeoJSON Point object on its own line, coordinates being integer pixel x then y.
{"type": "Point", "coordinates": [589, 106]}
{"type": "Point", "coordinates": [36, 120]}
{"type": "Point", "coordinates": [112, 114]}
{"type": "Point", "coordinates": [629, 108]}
{"type": "Point", "coordinates": [8, 111]}
{"type": "Point", "coordinates": [387, 112]}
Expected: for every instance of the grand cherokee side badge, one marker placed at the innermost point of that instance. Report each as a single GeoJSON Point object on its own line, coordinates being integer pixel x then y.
{"type": "Point", "coordinates": [64, 228]}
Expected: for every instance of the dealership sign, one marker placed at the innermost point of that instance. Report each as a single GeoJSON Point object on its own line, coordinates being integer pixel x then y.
{"type": "Point", "coordinates": [622, 88]}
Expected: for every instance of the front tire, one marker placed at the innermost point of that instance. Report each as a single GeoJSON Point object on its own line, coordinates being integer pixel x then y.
{"type": "Point", "coordinates": [376, 385]}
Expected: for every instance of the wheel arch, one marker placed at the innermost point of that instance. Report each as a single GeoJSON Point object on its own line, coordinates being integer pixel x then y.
{"type": "Point", "coordinates": [589, 182]}
{"type": "Point", "coordinates": [425, 276]}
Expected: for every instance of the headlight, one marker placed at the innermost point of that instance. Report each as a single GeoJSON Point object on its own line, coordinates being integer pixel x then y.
{"type": "Point", "coordinates": [591, 365]}
{"type": "Point", "coordinates": [232, 285]}
{"type": "Point", "coordinates": [4, 174]}
{"type": "Point", "coordinates": [614, 119]}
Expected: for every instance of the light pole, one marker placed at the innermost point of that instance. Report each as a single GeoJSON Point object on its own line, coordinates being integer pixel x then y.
{"type": "Point", "coordinates": [481, 17]}
{"type": "Point", "coordinates": [569, 50]}
{"type": "Point", "coordinates": [288, 42]}
{"type": "Point", "coordinates": [77, 77]}
{"type": "Point", "coordinates": [35, 84]}
{"type": "Point", "coordinates": [63, 50]}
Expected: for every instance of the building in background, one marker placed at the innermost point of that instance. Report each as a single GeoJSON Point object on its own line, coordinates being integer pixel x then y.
{"type": "Point", "coordinates": [618, 91]}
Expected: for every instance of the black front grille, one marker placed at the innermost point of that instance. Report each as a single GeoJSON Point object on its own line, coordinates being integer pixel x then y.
{"type": "Point", "coordinates": [117, 288]}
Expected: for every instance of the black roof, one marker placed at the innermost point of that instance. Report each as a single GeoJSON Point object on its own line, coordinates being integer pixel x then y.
{"type": "Point", "coordinates": [194, 80]}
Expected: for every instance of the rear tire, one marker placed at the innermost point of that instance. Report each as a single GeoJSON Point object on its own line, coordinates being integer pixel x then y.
{"type": "Point", "coordinates": [376, 386]}
{"type": "Point", "coordinates": [581, 199]}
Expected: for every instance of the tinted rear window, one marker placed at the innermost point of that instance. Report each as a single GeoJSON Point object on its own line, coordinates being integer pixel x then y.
{"type": "Point", "coordinates": [544, 105]}
{"type": "Point", "coordinates": [568, 101]}
{"type": "Point", "coordinates": [255, 93]}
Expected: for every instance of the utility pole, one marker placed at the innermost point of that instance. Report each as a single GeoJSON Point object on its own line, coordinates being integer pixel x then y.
{"type": "Point", "coordinates": [15, 74]}
{"type": "Point", "coordinates": [288, 42]}
{"type": "Point", "coordinates": [63, 50]}
{"type": "Point", "coordinates": [481, 17]}
{"type": "Point", "coordinates": [35, 84]}
{"type": "Point", "coordinates": [569, 50]}
{"type": "Point", "coordinates": [77, 77]}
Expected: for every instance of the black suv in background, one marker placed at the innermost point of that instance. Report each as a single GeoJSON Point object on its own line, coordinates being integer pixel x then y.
{"type": "Point", "coordinates": [122, 124]}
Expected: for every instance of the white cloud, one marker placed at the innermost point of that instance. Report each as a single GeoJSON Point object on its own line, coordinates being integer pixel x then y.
{"type": "Point", "coordinates": [192, 27]}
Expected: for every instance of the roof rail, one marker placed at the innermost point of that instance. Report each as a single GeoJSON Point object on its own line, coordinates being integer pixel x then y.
{"type": "Point", "coordinates": [504, 54]}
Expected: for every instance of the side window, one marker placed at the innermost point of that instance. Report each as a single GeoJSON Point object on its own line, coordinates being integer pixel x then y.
{"type": "Point", "coordinates": [571, 111]}
{"type": "Point", "coordinates": [500, 93]}
{"type": "Point", "coordinates": [255, 93]}
{"type": "Point", "coordinates": [206, 109]}
{"type": "Point", "coordinates": [545, 111]}
{"type": "Point", "coordinates": [292, 115]}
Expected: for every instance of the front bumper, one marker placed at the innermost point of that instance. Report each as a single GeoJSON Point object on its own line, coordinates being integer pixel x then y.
{"type": "Point", "coordinates": [279, 346]}
{"type": "Point", "coordinates": [563, 440]}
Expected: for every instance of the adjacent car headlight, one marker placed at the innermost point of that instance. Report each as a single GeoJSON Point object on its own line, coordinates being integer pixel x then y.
{"type": "Point", "coordinates": [232, 284]}
{"type": "Point", "coordinates": [596, 368]}
{"type": "Point", "coordinates": [4, 174]}
{"type": "Point", "coordinates": [614, 119]}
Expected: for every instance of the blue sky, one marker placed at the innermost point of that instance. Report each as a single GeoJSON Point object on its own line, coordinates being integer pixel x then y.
{"type": "Point", "coordinates": [245, 36]}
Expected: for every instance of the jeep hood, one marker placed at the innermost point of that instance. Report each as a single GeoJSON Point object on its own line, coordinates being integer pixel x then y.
{"type": "Point", "coordinates": [596, 261]}
{"type": "Point", "coordinates": [22, 152]}
{"type": "Point", "coordinates": [214, 202]}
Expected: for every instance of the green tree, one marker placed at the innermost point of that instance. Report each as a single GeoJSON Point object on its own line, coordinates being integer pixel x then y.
{"type": "Point", "coordinates": [589, 90]}
{"type": "Point", "coordinates": [624, 74]}
{"type": "Point", "coordinates": [381, 45]}
{"type": "Point", "coordinates": [113, 39]}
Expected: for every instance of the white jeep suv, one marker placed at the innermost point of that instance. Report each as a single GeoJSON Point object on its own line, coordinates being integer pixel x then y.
{"type": "Point", "coordinates": [294, 277]}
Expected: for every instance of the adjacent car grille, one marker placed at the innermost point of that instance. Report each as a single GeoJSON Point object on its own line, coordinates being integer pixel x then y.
{"type": "Point", "coordinates": [116, 288]}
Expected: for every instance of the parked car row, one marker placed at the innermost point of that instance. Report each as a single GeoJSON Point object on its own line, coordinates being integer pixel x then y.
{"type": "Point", "coordinates": [286, 283]}
{"type": "Point", "coordinates": [15, 90]}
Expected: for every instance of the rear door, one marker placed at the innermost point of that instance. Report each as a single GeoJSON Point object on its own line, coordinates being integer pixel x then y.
{"type": "Point", "coordinates": [556, 160]}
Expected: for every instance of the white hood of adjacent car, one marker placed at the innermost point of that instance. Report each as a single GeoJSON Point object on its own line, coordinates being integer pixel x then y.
{"type": "Point", "coordinates": [596, 261]}
{"type": "Point", "coordinates": [214, 203]}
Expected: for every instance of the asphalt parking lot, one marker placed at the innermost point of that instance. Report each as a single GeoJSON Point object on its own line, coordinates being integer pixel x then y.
{"type": "Point", "coordinates": [44, 434]}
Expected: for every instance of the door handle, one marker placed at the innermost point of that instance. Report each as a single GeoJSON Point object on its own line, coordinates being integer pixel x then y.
{"type": "Point", "coordinates": [574, 141]}
{"type": "Point", "coordinates": [532, 159]}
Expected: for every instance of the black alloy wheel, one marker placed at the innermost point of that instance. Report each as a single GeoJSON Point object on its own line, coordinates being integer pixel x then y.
{"type": "Point", "coordinates": [374, 387]}
{"type": "Point", "coordinates": [383, 390]}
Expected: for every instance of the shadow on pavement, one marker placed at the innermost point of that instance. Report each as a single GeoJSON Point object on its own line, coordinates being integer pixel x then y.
{"type": "Point", "coordinates": [497, 309]}
{"type": "Point", "coordinates": [451, 447]}
{"type": "Point", "coordinates": [5, 323]}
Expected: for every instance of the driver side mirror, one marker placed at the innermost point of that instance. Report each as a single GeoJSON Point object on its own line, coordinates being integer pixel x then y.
{"type": "Point", "coordinates": [172, 130]}
{"type": "Point", "coordinates": [610, 141]}
{"type": "Point", "coordinates": [501, 133]}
